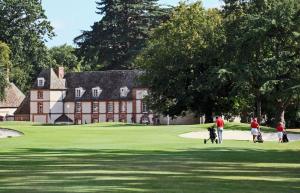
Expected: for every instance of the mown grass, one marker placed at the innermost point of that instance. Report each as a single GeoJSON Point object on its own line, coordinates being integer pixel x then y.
{"type": "Point", "coordinates": [112, 157]}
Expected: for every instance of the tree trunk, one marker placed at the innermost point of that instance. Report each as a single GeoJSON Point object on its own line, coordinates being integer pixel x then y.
{"type": "Point", "coordinates": [258, 107]}
{"type": "Point", "coordinates": [280, 113]}
{"type": "Point", "coordinates": [209, 117]}
{"type": "Point", "coordinates": [280, 116]}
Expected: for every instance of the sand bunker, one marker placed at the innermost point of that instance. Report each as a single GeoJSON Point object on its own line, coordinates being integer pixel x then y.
{"type": "Point", "coordinates": [238, 135]}
{"type": "Point", "coordinates": [5, 133]}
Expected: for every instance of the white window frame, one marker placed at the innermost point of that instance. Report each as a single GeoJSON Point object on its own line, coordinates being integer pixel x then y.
{"type": "Point", "coordinates": [95, 107]}
{"type": "Point", "coordinates": [41, 82]}
{"type": "Point", "coordinates": [78, 107]}
{"type": "Point", "coordinates": [110, 107]}
{"type": "Point", "coordinates": [40, 108]}
{"type": "Point", "coordinates": [123, 107]}
{"type": "Point", "coordinates": [79, 92]}
{"type": "Point", "coordinates": [124, 91]}
{"type": "Point", "coordinates": [96, 91]}
{"type": "Point", "coordinates": [144, 107]}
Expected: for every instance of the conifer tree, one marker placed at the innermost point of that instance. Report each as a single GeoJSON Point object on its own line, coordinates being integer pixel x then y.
{"type": "Point", "coordinates": [122, 32]}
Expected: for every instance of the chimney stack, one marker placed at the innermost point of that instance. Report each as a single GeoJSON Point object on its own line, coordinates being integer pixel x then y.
{"type": "Point", "coordinates": [60, 72]}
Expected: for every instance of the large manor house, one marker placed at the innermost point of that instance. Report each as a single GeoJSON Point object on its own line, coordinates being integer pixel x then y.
{"type": "Point", "coordinates": [84, 97]}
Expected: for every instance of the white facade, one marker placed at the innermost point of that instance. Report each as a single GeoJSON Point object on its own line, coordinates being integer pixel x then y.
{"type": "Point", "coordinates": [7, 111]}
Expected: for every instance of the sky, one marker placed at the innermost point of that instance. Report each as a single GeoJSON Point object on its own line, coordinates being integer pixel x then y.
{"type": "Point", "coordinates": [70, 17]}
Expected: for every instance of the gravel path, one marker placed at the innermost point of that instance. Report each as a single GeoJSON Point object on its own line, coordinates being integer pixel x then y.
{"type": "Point", "coordinates": [4, 133]}
{"type": "Point", "coordinates": [238, 135]}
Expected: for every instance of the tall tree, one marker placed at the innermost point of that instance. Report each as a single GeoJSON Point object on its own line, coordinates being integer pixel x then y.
{"type": "Point", "coordinates": [121, 33]}
{"type": "Point", "coordinates": [65, 56]}
{"type": "Point", "coordinates": [5, 65]}
{"type": "Point", "coordinates": [24, 27]}
{"type": "Point", "coordinates": [263, 48]}
{"type": "Point", "coordinates": [180, 60]}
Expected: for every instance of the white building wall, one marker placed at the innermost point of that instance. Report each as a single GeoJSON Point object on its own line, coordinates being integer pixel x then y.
{"type": "Point", "coordinates": [141, 93]}
{"type": "Point", "coordinates": [57, 95]}
{"type": "Point", "coordinates": [129, 116]}
{"type": "Point", "coordinates": [34, 96]}
{"type": "Point", "coordinates": [53, 117]}
{"type": "Point", "coordinates": [33, 107]}
{"type": "Point", "coordinates": [56, 107]}
{"type": "Point", "coordinates": [151, 118]}
{"type": "Point", "coordinates": [71, 116]}
{"type": "Point", "coordinates": [70, 109]}
{"type": "Point", "coordinates": [86, 107]}
{"type": "Point", "coordinates": [86, 118]}
{"type": "Point", "coordinates": [138, 106]}
{"type": "Point", "coordinates": [116, 107]}
{"type": "Point", "coordinates": [116, 118]}
{"type": "Point", "coordinates": [102, 118]}
{"type": "Point", "coordinates": [46, 107]}
{"type": "Point", "coordinates": [129, 106]}
{"type": "Point", "coordinates": [138, 118]}
{"type": "Point", "coordinates": [40, 118]}
{"type": "Point", "coordinates": [102, 107]}
{"type": "Point", "coordinates": [7, 111]}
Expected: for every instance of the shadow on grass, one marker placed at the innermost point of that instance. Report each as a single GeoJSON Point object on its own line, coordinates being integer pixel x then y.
{"type": "Point", "coordinates": [211, 170]}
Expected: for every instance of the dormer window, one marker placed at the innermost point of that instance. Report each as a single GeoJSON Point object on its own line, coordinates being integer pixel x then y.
{"type": "Point", "coordinates": [41, 82]}
{"type": "Point", "coordinates": [79, 92]}
{"type": "Point", "coordinates": [124, 91]}
{"type": "Point", "coordinates": [96, 91]}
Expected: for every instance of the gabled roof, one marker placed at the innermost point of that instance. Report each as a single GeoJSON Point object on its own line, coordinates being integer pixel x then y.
{"type": "Point", "coordinates": [51, 80]}
{"type": "Point", "coordinates": [24, 108]}
{"type": "Point", "coordinates": [13, 98]}
{"type": "Point", "coordinates": [109, 81]}
{"type": "Point", "coordinates": [63, 119]}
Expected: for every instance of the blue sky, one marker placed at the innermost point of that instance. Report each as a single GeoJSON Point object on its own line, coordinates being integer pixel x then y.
{"type": "Point", "coordinates": [70, 17]}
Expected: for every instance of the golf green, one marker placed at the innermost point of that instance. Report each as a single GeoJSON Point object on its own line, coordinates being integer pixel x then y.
{"type": "Point", "coordinates": [115, 157]}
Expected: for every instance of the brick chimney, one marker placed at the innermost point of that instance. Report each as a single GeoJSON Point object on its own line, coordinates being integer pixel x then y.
{"type": "Point", "coordinates": [60, 72]}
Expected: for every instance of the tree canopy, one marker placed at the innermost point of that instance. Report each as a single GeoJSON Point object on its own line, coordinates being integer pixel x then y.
{"type": "Point", "coordinates": [4, 67]}
{"type": "Point", "coordinates": [180, 58]}
{"type": "Point", "coordinates": [263, 49]}
{"type": "Point", "coordinates": [121, 33]}
{"type": "Point", "coordinates": [65, 56]}
{"type": "Point", "coordinates": [228, 60]}
{"type": "Point", "coordinates": [25, 28]}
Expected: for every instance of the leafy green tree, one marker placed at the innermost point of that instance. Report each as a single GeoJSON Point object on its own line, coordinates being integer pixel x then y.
{"type": "Point", "coordinates": [5, 65]}
{"type": "Point", "coordinates": [65, 56]}
{"type": "Point", "coordinates": [181, 60]}
{"type": "Point", "coordinates": [24, 27]}
{"type": "Point", "coordinates": [121, 33]}
{"type": "Point", "coordinates": [262, 46]}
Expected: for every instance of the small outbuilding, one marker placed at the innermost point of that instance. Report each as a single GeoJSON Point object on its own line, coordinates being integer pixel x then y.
{"type": "Point", "coordinates": [13, 99]}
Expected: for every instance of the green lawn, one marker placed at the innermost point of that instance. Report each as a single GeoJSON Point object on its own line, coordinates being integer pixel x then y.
{"type": "Point", "coordinates": [125, 158]}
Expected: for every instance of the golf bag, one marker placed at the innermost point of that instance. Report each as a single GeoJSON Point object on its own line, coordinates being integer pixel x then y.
{"type": "Point", "coordinates": [212, 135]}
{"type": "Point", "coordinates": [285, 138]}
{"type": "Point", "coordinates": [259, 138]}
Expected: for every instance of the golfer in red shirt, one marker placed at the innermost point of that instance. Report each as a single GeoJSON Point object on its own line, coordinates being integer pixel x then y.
{"type": "Point", "coordinates": [280, 128]}
{"type": "Point", "coordinates": [254, 129]}
{"type": "Point", "coordinates": [220, 127]}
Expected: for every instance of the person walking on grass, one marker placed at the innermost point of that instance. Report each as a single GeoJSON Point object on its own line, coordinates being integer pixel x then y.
{"type": "Point", "coordinates": [254, 129]}
{"type": "Point", "coordinates": [280, 129]}
{"type": "Point", "coordinates": [220, 127]}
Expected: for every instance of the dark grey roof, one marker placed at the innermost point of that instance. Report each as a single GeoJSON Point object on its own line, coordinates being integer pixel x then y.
{"type": "Point", "coordinates": [13, 97]}
{"type": "Point", "coordinates": [51, 80]}
{"type": "Point", "coordinates": [109, 81]}
{"type": "Point", "coordinates": [63, 119]}
{"type": "Point", "coordinates": [24, 108]}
